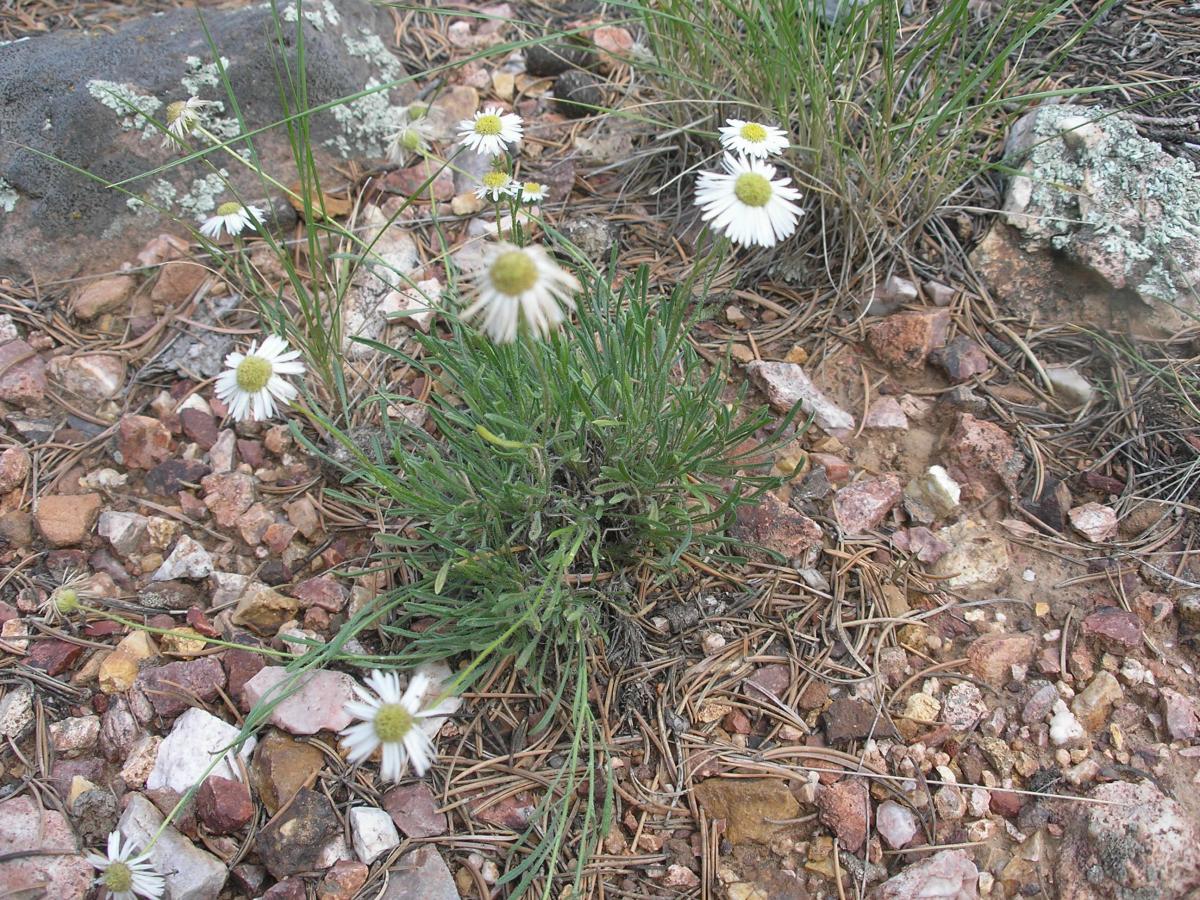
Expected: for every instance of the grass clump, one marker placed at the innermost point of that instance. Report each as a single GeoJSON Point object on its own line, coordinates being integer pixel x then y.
{"type": "Point", "coordinates": [548, 471]}
{"type": "Point", "coordinates": [893, 114]}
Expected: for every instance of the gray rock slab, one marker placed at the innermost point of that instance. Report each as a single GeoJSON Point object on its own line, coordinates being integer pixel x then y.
{"type": "Point", "coordinates": [77, 96]}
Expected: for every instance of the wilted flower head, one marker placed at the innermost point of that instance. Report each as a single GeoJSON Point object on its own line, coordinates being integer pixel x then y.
{"type": "Point", "coordinates": [252, 382]}
{"type": "Point", "coordinates": [520, 285]}
{"type": "Point", "coordinates": [182, 117]}
{"type": "Point", "coordinates": [64, 600]}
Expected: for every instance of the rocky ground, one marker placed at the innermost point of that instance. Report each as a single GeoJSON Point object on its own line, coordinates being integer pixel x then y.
{"type": "Point", "coordinates": [975, 678]}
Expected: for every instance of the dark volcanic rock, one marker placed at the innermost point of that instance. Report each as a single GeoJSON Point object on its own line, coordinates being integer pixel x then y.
{"type": "Point", "coordinates": [295, 840]}
{"type": "Point", "coordinates": [75, 96]}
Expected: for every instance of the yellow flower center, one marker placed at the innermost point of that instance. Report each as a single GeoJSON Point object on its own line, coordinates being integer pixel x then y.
{"type": "Point", "coordinates": [175, 110]}
{"type": "Point", "coordinates": [488, 124]}
{"type": "Point", "coordinates": [66, 600]}
{"type": "Point", "coordinates": [495, 180]}
{"type": "Point", "coordinates": [392, 723]}
{"type": "Point", "coordinates": [531, 187]}
{"type": "Point", "coordinates": [410, 139]}
{"type": "Point", "coordinates": [754, 133]}
{"type": "Point", "coordinates": [752, 189]}
{"type": "Point", "coordinates": [513, 273]}
{"type": "Point", "coordinates": [417, 110]}
{"type": "Point", "coordinates": [228, 209]}
{"type": "Point", "coordinates": [253, 373]}
{"type": "Point", "coordinates": [118, 877]}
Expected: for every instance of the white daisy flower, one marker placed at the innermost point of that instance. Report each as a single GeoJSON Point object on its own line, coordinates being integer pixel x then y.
{"type": "Point", "coordinates": [534, 192]}
{"type": "Point", "coordinates": [747, 204]}
{"type": "Point", "coordinates": [416, 131]}
{"type": "Point", "coordinates": [490, 131]}
{"type": "Point", "coordinates": [182, 117]}
{"type": "Point", "coordinates": [233, 217]}
{"type": "Point", "coordinates": [390, 725]}
{"type": "Point", "coordinates": [252, 383]}
{"type": "Point", "coordinates": [520, 284]}
{"type": "Point", "coordinates": [124, 875]}
{"type": "Point", "coordinates": [496, 184]}
{"type": "Point", "coordinates": [753, 138]}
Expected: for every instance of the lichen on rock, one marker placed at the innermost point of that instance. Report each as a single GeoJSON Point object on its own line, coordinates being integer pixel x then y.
{"type": "Point", "coordinates": [133, 108]}
{"type": "Point", "coordinates": [8, 196]}
{"type": "Point", "coordinates": [1092, 188]}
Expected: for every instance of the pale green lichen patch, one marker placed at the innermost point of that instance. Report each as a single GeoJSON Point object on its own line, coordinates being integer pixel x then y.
{"type": "Point", "coordinates": [319, 14]}
{"type": "Point", "coordinates": [133, 108]}
{"type": "Point", "coordinates": [201, 197]}
{"type": "Point", "coordinates": [8, 196]}
{"type": "Point", "coordinates": [1093, 188]}
{"type": "Point", "coordinates": [367, 124]}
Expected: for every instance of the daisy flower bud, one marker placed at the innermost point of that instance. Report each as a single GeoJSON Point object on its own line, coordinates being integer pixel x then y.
{"type": "Point", "coordinates": [490, 131]}
{"type": "Point", "coordinates": [234, 217]}
{"type": "Point", "coordinates": [413, 137]}
{"type": "Point", "coordinates": [253, 383]}
{"type": "Point", "coordinates": [747, 203]}
{"type": "Point", "coordinates": [520, 285]}
{"type": "Point", "coordinates": [753, 139]}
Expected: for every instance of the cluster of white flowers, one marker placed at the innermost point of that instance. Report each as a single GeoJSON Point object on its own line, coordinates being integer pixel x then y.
{"type": "Point", "coordinates": [746, 202]}
{"type": "Point", "coordinates": [517, 286]}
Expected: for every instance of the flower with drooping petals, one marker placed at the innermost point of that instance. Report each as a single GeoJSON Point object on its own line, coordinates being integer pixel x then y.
{"type": "Point", "coordinates": [182, 117]}
{"type": "Point", "coordinates": [234, 217]}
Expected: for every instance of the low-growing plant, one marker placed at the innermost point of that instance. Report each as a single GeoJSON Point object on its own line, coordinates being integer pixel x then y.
{"type": "Point", "coordinates": [546, 472]}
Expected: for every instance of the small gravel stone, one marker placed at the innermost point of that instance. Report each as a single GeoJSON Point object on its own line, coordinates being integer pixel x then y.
{"type": "Point", "coordinates": [190, 872]}
{"type": "Point", "coordinates": [1095, 522]}
{"type": "Point", "coordinates": [414, 810]}
{"type": "Point", "coordinates": [578, 94]}
{"type": "Point", "coordinates": [896, 824]}
{"type": "Point", "coordinates": [373, 833]}
{"type": "Point", "coordinates": [66, 520]}
{"type": "Point", "coordinates": [224, 805]}
{"type": "Point", "coordinates": [195, 739]}
{"type": "Point", "coordinates": [189, 559]}
{"type": "Point", "coordinates": [843, 807]}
